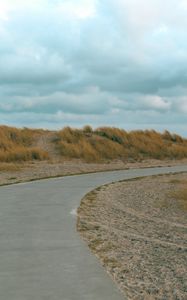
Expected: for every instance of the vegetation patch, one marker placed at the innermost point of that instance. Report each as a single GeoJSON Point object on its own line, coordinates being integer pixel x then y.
{"type": "Point", "coordinates": [8, 167]}
{"type": "Point", "coordinates": [107, 143]}
{"type": "Point", "coordinates": [101, 145]}
{"type": "Point", "coordinates": [16, 145]}
{"type": "Point", "coordinates": [180, 195]}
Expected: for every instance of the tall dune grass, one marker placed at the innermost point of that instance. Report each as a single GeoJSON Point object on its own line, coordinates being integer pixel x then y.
{"type": "Point", "coordinates": [16, 145]}
{"type": "Point", "coordinates": [101, 144]}
{"type": "Point", "coordinates": [107, 143]}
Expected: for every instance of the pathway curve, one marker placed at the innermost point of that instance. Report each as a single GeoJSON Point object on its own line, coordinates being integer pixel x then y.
{"type": "Point", "coordinates": [41, 255]}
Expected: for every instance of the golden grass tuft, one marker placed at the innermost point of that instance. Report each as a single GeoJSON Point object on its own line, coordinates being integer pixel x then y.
{"type": "Point", "coordinates": [107, 143]}
{"type": "Point", "coordinates": [16, 145]}
{"type": "Point", "coordinates": [100, 145]}
{"type": "Point", "coordinates": [9, 167]}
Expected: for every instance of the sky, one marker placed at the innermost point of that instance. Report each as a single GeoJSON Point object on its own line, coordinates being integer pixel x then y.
{"type": "Point", "coordinates": [120, 63]}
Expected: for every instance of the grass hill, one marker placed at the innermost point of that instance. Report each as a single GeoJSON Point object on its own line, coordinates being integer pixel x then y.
{"type": "Point", "coordinates": [19, 145]}
{"type": "Point", "coordinates": [101, 144]}
{"type": "Point", "coordinates": [112, 143]}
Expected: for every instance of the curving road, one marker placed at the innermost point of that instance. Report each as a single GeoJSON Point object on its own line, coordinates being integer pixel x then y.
{"type": "Point", "coordinates": [41, 254]}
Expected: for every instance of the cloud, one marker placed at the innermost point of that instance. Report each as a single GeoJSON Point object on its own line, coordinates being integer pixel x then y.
{"type": "Point", "coordinates": [81, 10]}
{"type": "Point", "coordinates": [156, 103]}
{"type": "Point", "coordinates": [180, 105]}
{"type": "Point", "coordinates": [119, 62]}
{"type": "Point", "coordinates": [92, 101]}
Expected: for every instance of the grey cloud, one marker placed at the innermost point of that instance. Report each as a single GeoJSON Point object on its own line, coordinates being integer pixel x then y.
{"type": "Point", "coordinates": [111, 67]}
{"type": "Point", "coordinates": [95, 52]}
{"type": "Point", "coordinates": [94, 102]}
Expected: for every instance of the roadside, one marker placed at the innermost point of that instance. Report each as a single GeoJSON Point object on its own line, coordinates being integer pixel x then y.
{"type": "Point", "coordinates": [20, 172]}
{"type": "Point", "coordinates": [138, 230]}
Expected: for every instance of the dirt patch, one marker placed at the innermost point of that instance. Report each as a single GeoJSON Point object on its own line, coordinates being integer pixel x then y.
{"type": "Point", "coordinates": [46, 143]}
{"type": "Point", "coordinates": [138, 230]}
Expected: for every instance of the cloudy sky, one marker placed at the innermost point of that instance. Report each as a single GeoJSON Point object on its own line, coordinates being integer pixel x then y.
{"type": "Point", "coordinates": [100, 62]}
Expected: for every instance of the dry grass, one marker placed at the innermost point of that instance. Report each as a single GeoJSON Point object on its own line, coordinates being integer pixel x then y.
{"type": "Point", "coordinates": [9, 167]}
{"type": "Point", "coordinates": [104, 144]}
{"type": "Point", "coordinates": [112, 143]}
{"type": "Point", "coordinates": [22, 154]}
{"type": "Point", "coordinates": [16, 145]}
{"type": "Point", "coordinates": [180, 195]}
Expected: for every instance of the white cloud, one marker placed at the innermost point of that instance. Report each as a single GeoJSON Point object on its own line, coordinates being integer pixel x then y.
{"type": "Point", "coordinates": [71, 8]}
{"type": "Point", "coordinates": [77, 9]}
{"type": "Point", "coordinates": [10, 5]}
{"type": "Point", "coordinates": [156, 103]}
{"type": "Point", "coordinates": [3, 12]}
{"type": "Point", "coordinates": [183, 4]}
{"type": "Point", "coordinates": [163, 29]}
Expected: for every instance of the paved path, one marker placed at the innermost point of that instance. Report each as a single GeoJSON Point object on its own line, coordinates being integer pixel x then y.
{"type": "Point", "coordinates": [41, 254]}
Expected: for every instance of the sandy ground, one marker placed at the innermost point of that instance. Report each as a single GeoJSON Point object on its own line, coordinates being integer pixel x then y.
{"type": "Point", "coordinates": [139, 232]}
{"type": "Point", "coordinates": [10, 173]}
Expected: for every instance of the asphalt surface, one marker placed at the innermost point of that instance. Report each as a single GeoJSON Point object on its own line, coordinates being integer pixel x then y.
{"type": "Point", "coordinates": [41, 254]}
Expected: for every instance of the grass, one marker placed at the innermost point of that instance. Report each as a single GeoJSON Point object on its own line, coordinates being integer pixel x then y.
{"type": "Point", "coordinates": [103, 144]}
{"type": "Point", "coordinates": [9, 167]}
{"type": "Point", "coordinates": [16, 145]}
{"type": "Point", "coordinates": [180, 195]}
{"type": "Point", "coordinates": [107, 143]}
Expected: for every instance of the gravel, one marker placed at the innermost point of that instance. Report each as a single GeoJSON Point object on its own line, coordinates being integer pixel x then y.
{"type": "Point", "coordinates": [138, 230]}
